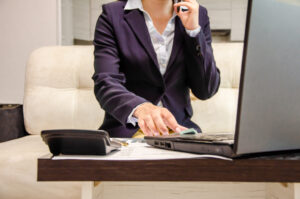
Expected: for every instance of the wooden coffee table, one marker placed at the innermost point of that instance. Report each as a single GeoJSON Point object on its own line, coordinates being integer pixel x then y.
{"type": "Point", "coordinates": [274, 168]}
{"type": "Point", "coordinates": [263, 169]}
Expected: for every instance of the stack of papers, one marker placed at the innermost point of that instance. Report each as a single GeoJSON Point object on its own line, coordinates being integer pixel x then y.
{"type": "Point", "coordinates": [138, 151]}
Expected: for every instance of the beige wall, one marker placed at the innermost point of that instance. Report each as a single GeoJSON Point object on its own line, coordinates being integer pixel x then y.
{"type": "Point", "coordinates": [25, 26]}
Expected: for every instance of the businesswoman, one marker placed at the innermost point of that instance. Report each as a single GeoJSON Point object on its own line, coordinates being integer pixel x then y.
{"type": "Point", "coordinates": [148, 54]}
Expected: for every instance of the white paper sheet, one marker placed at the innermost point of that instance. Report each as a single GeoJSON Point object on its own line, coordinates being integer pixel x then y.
{"type": "Point", "coordinates": [138, 151]}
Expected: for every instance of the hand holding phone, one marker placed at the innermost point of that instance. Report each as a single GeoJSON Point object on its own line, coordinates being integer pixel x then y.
{"type": "Point", "coordinates": [188, 12]}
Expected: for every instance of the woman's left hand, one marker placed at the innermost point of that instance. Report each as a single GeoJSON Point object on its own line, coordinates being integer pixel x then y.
{"type": "Point", "coordinates": [189, 18]}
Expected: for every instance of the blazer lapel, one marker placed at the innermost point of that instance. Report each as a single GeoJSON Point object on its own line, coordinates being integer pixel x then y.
{"type": "Point", "coordinates": [136, 21]}
{"type": "Point", "coordinates": [177, 43]}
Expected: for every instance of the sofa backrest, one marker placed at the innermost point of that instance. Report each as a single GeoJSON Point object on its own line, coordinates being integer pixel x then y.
{"type": "Point", "coordinates": [59, 90]}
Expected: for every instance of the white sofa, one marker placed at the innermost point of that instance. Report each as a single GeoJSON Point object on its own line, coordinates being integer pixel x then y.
{"type": "Point", "coordinates": [59, 94]}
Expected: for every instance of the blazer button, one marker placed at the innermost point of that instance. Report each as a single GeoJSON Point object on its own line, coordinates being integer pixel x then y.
{"type": "Point", "coordinates": [198, 48]}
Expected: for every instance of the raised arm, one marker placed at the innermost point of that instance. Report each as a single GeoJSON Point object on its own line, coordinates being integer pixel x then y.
{"type": "Point", "coordinates": [203, 74]}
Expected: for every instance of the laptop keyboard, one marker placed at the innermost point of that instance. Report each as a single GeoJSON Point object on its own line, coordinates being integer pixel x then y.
{"type": "Point", "coordinates": [221, 138]}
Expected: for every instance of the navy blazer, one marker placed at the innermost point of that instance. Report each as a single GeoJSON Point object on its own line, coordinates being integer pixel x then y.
{"type": "Point", "coordinates": [127, 72]}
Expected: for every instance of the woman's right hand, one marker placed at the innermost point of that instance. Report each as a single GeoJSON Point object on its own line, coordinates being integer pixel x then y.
{"type": "Point", "coordinates": [154, 119]}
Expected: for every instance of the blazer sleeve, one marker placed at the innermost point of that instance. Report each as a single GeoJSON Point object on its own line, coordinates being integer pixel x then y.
{"type": "Point", "coordinates": [203, 74]}
{"type": "Point", "coordinates": [109, 82]}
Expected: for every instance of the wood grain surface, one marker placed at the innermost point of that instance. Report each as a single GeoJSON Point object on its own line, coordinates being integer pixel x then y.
{"type": "Point", "coordinates": [241, 170]}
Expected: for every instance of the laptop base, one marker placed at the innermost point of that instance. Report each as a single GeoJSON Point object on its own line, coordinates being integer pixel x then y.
{"type": "Point", "coordinates": [225, 150]}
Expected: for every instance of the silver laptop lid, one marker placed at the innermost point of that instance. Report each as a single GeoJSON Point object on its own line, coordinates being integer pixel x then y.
{"type": "Point", "coordinates": [269, 104]}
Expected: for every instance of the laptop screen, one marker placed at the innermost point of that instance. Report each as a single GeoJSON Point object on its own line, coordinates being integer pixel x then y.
{"type": "Point", "coordinates": [269, 102]}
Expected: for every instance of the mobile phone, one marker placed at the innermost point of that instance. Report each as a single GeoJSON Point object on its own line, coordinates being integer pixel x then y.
{"type": "Point", "coordinates": [183, 8]}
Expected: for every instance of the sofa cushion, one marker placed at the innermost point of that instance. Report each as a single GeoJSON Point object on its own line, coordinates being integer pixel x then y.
{"type": "Point", "coordinates": [59, 90]}
{"type": "Point", "coordinates": [228, 58]}
{"type": "Point", "coordinates": [222, 117]}
{"type": "Point", "coordinates": [18, 172]}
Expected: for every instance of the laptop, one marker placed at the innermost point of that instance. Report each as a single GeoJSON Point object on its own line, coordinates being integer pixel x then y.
{"type": "Point", "coordinates": [268, 116]}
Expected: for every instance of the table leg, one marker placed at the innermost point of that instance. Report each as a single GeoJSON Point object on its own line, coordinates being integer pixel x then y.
{"type": "Point", "coordinates": [94, 190]}
{"type": "Point", "coordinates": [282, 191]}
{"type": "Point", "coordinates": [297, 190]}
{"type": "Point", "coordinates": [87, 189]}
{"type": "Point", "coordinates": [180, 190]}
{"type": "Point", "coordinates": [91, 190]}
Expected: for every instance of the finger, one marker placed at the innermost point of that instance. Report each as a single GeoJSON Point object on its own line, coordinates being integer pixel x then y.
{"type": "Point", "coordinates": [159, 123]}
{"type": "Point", "coordinates": [182, 14]}
{"type": "Point", "coordinates": [149, 131]}
{"type": "Point", "coordinates": [178, 10]}
{"type": "Point", "coordinates": [143, 127]}
{"type": "Point", "coordinates": [184, 3]}
{"type": "Point", "coordinates": [170, 120]}
{"type": "Point", "coordinates": [150, 124]}
{"type": "Point", "coordinates": [191, 1]}
{"type": "Point", "coordinates": [182, 128]}
{"type": "Point", "coordinates": [189, 5]}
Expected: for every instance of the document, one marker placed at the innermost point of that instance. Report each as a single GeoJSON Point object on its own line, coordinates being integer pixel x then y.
{"type": "Point", "coordinates": [136, 150]}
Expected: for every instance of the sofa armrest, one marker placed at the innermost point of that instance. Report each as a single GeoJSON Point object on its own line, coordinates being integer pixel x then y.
{"type": "Point", "coordinates": [11, 122]}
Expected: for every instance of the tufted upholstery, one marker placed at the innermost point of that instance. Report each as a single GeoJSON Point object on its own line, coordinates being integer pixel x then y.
{"type": "Point", "coordinates": [59, 90]}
